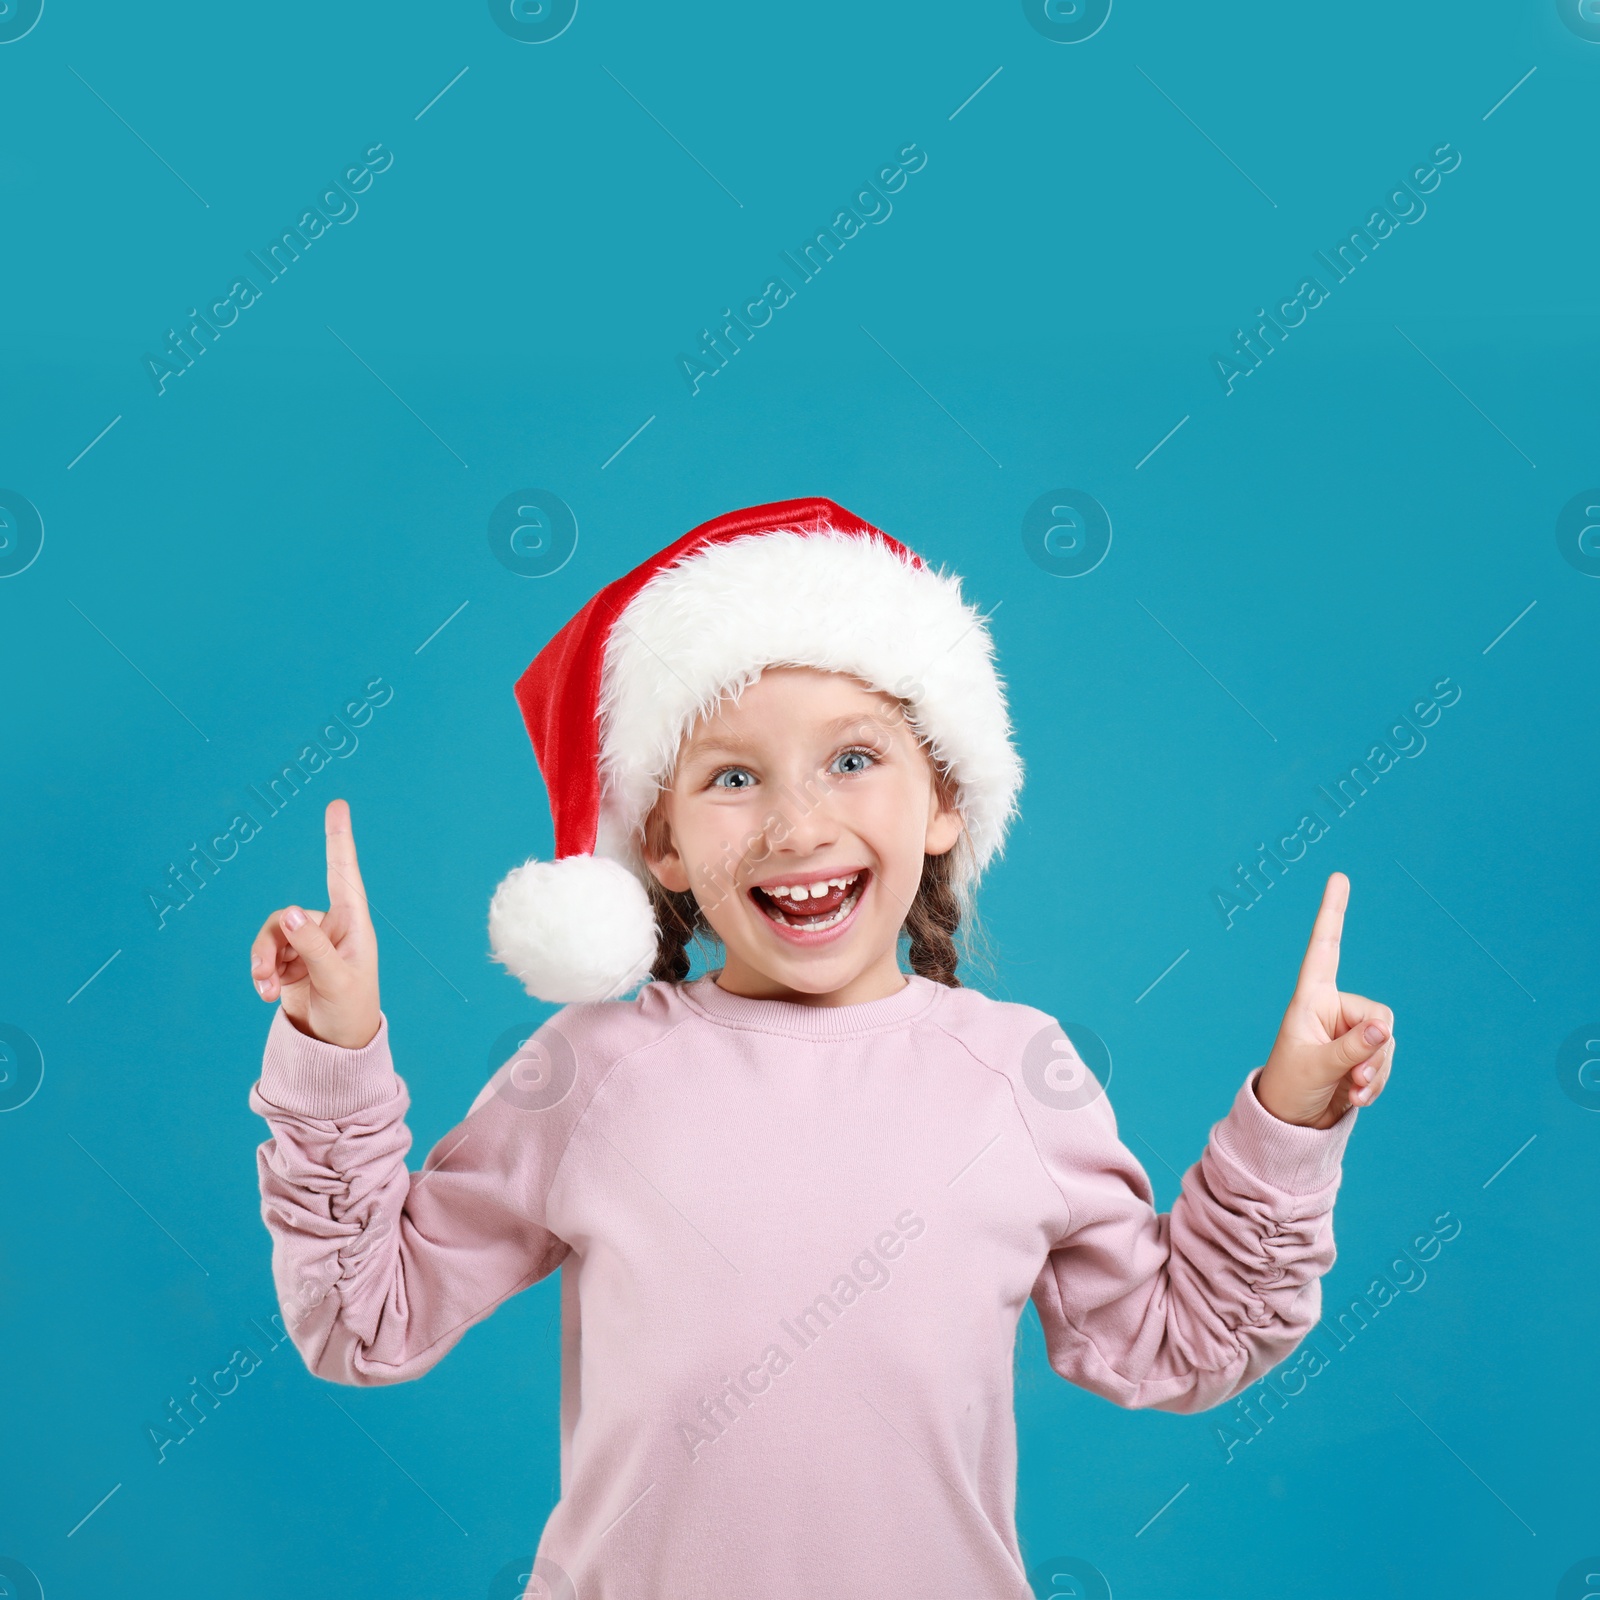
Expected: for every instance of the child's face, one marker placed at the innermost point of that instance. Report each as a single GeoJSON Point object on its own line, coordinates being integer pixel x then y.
{"type": "Point", "coordinates": [808, 778]}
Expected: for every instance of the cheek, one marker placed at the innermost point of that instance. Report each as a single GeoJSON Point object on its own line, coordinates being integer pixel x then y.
{"type": "Point", "coordinates": [712, 839]}
{"type": "Point", "coordinates": [892, 821]}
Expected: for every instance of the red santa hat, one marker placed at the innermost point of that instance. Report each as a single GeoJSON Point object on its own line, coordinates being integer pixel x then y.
{"type": "Point", "coordinates": [608, 700]}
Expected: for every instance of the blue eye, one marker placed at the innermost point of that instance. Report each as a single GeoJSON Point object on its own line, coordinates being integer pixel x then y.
{"type": "Point", "coordinates": [741, 773]}
{"type": "Point", "coordinates": [853, 761]}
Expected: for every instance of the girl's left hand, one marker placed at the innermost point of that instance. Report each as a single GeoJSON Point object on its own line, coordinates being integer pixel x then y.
{"type": "Point", "coordinates": [1333, 1050]}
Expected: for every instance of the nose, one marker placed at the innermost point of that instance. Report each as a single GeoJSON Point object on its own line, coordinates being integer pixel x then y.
{"type": "Point", "coordinates": [801, 820]}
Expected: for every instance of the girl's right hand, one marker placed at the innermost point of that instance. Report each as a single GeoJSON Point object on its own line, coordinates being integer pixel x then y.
{"type": "Point", "coordinates": [323, 965]}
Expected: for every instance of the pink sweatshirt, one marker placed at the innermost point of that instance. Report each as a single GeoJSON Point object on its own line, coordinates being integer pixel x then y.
{"type": "Point", "coordinates": [795, 1244]}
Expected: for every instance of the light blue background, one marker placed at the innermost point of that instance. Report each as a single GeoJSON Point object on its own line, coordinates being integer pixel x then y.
{"type": "Point", "coordinates": [1294, 567]}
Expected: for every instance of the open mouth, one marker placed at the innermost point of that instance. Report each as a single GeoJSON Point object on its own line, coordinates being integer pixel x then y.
{"type": "Point", "coordinates": [814, 907]}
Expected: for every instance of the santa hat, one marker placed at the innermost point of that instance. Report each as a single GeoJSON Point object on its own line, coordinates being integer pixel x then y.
{"type": "Point", "coordinates": [608, 700]}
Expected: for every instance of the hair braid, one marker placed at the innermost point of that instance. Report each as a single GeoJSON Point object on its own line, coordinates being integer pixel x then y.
{"type": "Point", "coordinates": [932, 921]}
{"type": "Point", "coordinates": [678, 922]}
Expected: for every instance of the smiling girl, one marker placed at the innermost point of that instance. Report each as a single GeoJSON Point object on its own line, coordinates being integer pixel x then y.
{"type": "Point", "coordinates": [800, 1202]}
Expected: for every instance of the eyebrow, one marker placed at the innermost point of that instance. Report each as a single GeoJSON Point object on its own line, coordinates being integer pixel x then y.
{"type": "Point", "coordinates": [725, 744]}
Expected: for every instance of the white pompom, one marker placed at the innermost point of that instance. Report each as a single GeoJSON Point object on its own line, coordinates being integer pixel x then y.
{"type": "Point", "coordinates": [573, 930]}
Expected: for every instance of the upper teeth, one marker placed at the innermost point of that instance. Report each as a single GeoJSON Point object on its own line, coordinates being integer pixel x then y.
{"type": "Point", "coordinates": [812, 891]}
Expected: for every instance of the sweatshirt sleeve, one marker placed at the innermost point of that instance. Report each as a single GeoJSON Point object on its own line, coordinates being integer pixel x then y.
{"type": "Point", "coordinates": [1181, 1311]}
{"type": "Point", "coordinates": [380, 1270]}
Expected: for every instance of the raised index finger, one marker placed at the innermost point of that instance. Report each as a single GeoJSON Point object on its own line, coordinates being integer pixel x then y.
{"type": "Point", "coordinates": [345, 887]}
{"type": "Point", "coordinates": [1321, 964]}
